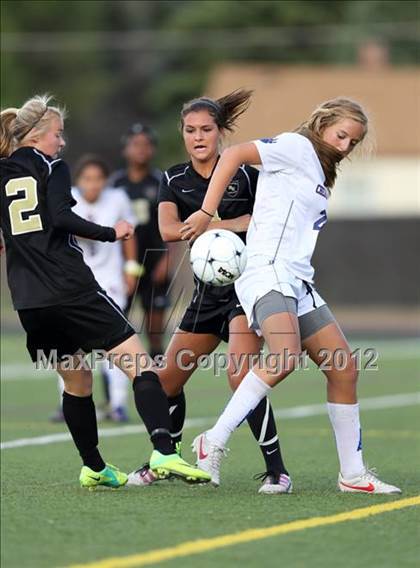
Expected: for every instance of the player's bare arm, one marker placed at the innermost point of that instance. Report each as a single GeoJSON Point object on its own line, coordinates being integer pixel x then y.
{"type": "Point", "coordinates": [132, 269]}
{"type": "Point", "coordinates": [236, 225]}
{"type": "Point", "coordinates": [230, 160]}
{"type": "Point", "coordinates": [169, 222]}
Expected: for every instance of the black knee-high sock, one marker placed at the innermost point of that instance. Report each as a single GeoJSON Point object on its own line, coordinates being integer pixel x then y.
{"type": "Point", "coordinates": [152, 406]}
{"type": "Point", "coordinates": [80, 416]}
{"type": "Point", "coordinates": [177, 413]}
{"type": "Point", "coordinates": [263, 426]}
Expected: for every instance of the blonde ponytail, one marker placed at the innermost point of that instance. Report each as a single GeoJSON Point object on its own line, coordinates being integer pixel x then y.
{"type": "Point", "coordinates": [20, 126]}
{"type": "Point", "coordinates": [7, 141]}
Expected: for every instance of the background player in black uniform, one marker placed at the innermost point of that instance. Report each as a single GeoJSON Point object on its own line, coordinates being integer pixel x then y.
{"type": "Point", "coordinates": [60, 305]}
{"type": "Point", "coordinates": [141, 182]}
{"type": "Point", "coordinates": [214, 314]}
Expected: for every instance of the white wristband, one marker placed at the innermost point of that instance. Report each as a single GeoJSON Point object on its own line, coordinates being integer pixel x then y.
{"type": "Point", "coordinates": [133, 268]}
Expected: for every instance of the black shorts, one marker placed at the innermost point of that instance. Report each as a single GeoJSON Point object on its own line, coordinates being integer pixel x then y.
{"type": "Point", "coordinates": [212, 314]}
{"type": "Point", "coordinates": [92, 322]}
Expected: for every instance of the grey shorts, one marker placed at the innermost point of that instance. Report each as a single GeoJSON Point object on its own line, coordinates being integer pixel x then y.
{"type": "Point", "coordinates": [276, 303]}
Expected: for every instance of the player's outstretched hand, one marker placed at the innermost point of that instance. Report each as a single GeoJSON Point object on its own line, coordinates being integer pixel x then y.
{"type": "Point", "coordinates": [123, 230]}
{"type": "Point", "coordinates": [195, 225]}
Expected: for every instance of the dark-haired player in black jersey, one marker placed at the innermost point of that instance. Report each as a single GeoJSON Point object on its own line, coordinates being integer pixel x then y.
{"type": "Point", "coordinates": [60, 305]}
{"type": "Point", "coordinates": [141, 182]}
{"type": "Point", "coordinates": [214, 314]}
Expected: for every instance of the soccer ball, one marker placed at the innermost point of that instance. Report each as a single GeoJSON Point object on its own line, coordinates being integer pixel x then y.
{"type": "Point", "coordinates": [218, 257]}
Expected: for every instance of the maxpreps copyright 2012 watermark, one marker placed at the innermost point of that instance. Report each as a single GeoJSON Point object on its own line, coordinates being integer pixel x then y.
{"type": "Point", "coordinates": [185, 360]}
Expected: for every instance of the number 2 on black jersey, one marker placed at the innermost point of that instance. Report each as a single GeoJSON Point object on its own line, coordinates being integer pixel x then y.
{"type": "Point", "coordinates": [25, 204]}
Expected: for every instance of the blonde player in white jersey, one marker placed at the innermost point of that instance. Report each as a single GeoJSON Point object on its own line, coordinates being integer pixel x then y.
{"type": "Point", "coordinates": [114, 265]}
{"type": "Point", "coordinates": [276, 289]}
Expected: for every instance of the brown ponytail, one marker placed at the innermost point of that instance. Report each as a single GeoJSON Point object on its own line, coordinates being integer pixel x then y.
{"type": "Point", "coordinates": [225, 110]}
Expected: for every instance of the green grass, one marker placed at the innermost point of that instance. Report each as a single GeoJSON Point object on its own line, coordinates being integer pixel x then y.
{"type": "Point", "coordinates": [48, 521]}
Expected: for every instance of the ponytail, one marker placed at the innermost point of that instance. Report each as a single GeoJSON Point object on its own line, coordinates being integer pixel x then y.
{"type": "Point", "coordinates": [328, 156]}
{"type": "Point", "coordinates": [7, 140]}
{"type": "Point", "coordinates": [225, 110]}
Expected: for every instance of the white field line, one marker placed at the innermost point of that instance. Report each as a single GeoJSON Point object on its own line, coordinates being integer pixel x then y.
{"type": "Point", "coordinates": [23, 371]}
{"type": "Point", "coordinates": [389, 401]}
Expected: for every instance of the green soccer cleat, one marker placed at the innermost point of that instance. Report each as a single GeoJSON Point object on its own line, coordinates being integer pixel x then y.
{"type": "Point", "coordinates": [173, 465]}
{"type": "Point", "coordinates": [110, 476]}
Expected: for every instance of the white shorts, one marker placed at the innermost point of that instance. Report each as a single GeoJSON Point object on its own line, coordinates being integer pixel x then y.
{"type": "Point", "coordinates": [257, 281]}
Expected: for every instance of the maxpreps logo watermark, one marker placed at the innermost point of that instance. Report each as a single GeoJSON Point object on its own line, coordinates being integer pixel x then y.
{"type": "Point", "coordinates": [233, 363]}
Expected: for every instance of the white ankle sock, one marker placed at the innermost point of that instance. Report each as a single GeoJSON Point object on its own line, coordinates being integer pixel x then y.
{"type": "Point", "coordinates": [348, 437]}
{"type": "Point", "coordinates": [246, 397]}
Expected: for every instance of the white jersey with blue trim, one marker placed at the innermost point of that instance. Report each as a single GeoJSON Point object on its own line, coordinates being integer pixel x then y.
{"type": "Point", "coordinates": [290, 206]}
{"type": "Point", "coordinates": [106, 260]}
{"type": "Point", "coordinates": [290, 209]}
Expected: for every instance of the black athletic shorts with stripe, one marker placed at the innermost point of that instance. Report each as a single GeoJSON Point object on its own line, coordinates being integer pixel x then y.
{"type": "Point", "coordinates": [91, 322]}
{"type": "Point", "coordinates": [211, 311]}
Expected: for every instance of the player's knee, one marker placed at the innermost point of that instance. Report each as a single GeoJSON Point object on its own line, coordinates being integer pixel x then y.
{"type": "Point", "coordinates": [236, 372]}
{"type": "Point", "coordinates": [345, 374]}
{"type": "Point", "coordinates": [86, 384]}
{"type": "Point", "coordinates": [352, 373]}
{"type": "Point", "coordinates": [78, 384]}
{"type": "Point", "coordinates": [171, 390]}
{"type": "Point", "coordinates": [350, 370]}
{"type": "Point", "coordinates": [171, 381]}
{"type": "Point", "coordinates": [234, 378]}
{"type": "Point", "coordinates": [280, 364]}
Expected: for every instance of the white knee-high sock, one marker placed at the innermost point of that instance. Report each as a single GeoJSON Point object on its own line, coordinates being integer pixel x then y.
{"type": "Point", "coordinates": [118, 386]}
{"type": "Point", "coordinates": [60, 387]}
{"type": "Point", "coordinates": [345, 421]}
{"type": "Point", "coordinates": [246, 397]}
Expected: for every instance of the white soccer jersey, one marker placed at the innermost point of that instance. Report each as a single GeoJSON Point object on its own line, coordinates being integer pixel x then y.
{"type": "Point", "coordinates": [291, 203]}
{"type": "Point", "coordinates": [290, 209]}
{"type": "Point", "coordinates": [106, 260]}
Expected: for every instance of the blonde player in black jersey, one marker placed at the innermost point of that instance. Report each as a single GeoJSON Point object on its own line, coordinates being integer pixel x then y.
{"type": "Point", "coordinates": [214, 314]}
{"type": "Point", "coordinates": [60, 305]}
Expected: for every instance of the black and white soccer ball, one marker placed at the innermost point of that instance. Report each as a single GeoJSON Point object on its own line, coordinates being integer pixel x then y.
{"type": "Point", "coordinates": [218, 257]}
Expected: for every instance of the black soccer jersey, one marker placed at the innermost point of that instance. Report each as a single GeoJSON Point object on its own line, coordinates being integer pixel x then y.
{"type": "Point", "coordinates": [185, 187]}
{"type": "Point", "coordinates": [45, 264]}
{"type": "Point", "coordinates": [143, 196]}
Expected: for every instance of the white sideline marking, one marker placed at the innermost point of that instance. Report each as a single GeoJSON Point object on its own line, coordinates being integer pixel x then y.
{"type": "Point", "coordinates": [389, 401]}
{"type": "Point", "coordinates": [23, 371]}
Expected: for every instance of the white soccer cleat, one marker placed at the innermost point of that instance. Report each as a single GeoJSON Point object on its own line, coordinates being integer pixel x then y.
{"type": "Point", "coordinates": [275, 483]}
{"type": "Point", "coordinates": [209, 457]}
{"type": "Point", "coordinates": [367, 482]}
{"type": "Point", "coordinates": [142, 476]}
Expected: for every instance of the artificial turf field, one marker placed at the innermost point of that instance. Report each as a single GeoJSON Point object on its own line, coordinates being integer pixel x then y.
{"type": "Point", "coordinates": [48, 521]}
